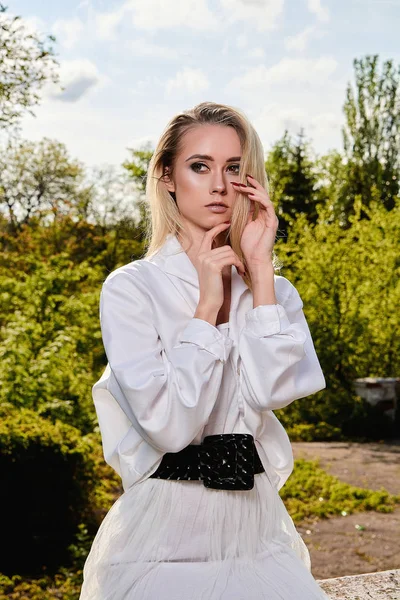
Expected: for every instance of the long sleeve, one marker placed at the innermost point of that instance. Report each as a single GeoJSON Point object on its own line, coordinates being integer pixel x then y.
{"type": "Point", "coordinates": [278, 359]}
{"type": "Point", "coordinates": [168, 398]}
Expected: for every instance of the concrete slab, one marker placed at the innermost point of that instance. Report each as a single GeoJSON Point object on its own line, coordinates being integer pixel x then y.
{"type": "Point", "coordinates": [384, 585]}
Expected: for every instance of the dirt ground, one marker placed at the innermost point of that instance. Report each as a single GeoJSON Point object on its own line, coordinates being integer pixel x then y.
{"type": "Point", "coordinates": [337, 547]}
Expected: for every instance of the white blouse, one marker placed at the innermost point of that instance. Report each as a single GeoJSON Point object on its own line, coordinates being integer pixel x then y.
{"type": "Point", "coordinates": [172, 379]}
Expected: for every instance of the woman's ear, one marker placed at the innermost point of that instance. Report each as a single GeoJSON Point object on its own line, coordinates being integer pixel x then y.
{"type": "Point", "coordinates": [169, 184]}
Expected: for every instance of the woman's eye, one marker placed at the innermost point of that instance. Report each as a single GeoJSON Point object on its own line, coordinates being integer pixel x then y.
{"type": "Point", "coordinates": [196, 167]}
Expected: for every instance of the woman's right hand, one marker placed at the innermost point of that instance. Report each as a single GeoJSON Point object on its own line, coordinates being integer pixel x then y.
{"type": "Point", "coordinates": [210, 264]}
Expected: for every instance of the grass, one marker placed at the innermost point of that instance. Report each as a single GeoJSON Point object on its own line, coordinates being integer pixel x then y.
{"type": "Point", "coordinates": [311, 493]}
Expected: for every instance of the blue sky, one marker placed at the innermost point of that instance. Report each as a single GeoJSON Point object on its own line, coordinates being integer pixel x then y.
{"type": "Point", "coordinates": [128, 66]}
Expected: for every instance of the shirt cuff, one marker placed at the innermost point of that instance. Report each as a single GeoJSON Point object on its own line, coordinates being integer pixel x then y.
{"type": "Point", "coordinates": [208, 337]}
{"type": "Point", "coordinates": [266, 319]}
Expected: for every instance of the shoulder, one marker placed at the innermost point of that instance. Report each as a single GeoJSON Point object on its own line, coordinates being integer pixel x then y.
{"type": "Point", "coordinates": [132, 272]}
{"type": "Point", "coordinates": [130, 279]}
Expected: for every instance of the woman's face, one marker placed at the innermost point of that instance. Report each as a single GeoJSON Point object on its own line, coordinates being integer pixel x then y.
{"type": "Point", "coordinates": [201, 180]}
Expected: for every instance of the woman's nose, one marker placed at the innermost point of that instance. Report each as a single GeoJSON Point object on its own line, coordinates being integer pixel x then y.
{"type": "Point", "coordinates": [219, 184]}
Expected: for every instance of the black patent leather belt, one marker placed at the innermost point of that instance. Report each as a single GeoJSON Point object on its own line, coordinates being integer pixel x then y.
{"type": "Point", "coordinates": [226, 461]}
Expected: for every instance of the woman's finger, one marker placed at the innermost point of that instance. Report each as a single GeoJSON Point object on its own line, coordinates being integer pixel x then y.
{"type": "Point", "coordinates": [255, 183]}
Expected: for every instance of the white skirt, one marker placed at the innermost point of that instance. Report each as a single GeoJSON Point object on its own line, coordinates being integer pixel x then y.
{"type": "Point", "coordinates": [178, 540]}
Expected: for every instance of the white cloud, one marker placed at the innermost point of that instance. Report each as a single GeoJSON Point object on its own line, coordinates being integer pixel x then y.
{"type": "Point", "coordinates": [90, 134]}
{"type": "Point", "coordinates": [141, 47]}
{"type": "Point", "coordinates": [321, 12]}
{"type": "Point", "coordinates": [263, 14]}
{"type": "Point", "coordinates": [77, 77]}
{"type": "Point", "coordinates": [151, 15]}
{"type": "Point", "coordinates": [305, 71]}
{"type": "Point", "coordinates": [300, 40]}
{"type": "Point", "coordinates": [188, 80]}
{"type": "Point", "coordinates": [302, 70]}
{"type": "Point", "coordinates": [274, 118]}
{"type": "Point", "coordinates": [106, 23]}
{"type": "Point", "coordinates": [150, 82]}
{"type": "Point", "coordinates": [69, 31]}
{"type": "Point", "coordinates": [142, 142]}
{"type": "Point", "coordinates": [256, 53]}
{"type": "Point", "coordinates": [154, 15]}
{"type": "Point", "coordinates": [241, 40]}
{"type": "Point", "coordinates": [325, 122]}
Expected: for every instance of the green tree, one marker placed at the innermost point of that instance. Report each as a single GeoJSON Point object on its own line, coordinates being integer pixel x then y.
{"type": "Point", "coordinates": [137, 167]}
{"type": "Point", "coordinates": [27, 62]}
{"type": "Point", "coordinates": [39, 179]}
{"type": "Point", "coordinates": [371, 134]}
{"type": "Point", "coordinates": [293, 180]}
{"type": "Point", "coordinates": [331, 174]}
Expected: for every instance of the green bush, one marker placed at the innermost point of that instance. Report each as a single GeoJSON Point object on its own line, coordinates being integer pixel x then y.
{"type": "Point", "coordinates": [350, 285]}
{"type": "Point", "coordinates": [48, 483]}
{"type": "Point", "coordinates": [306, 432]}
{"type": "Point", "coordinates": [361, 422]}
{"type": "Point", "coordinates": [65, 585]}
{"type": "Point", "coordinates": [51, 349]}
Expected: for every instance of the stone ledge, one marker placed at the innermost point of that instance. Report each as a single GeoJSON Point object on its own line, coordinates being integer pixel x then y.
{"type": "Point", "coordinates": [384, 585]}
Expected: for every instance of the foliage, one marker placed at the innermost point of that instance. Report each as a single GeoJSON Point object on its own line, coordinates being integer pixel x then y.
{"type": "Point", "coordinates": [51, 342]}
{"type": "Point", "coordinates": [39, 179]}
{"type": "Point", "coordinates": [371, 134]}
{"type": "Point", "coordinates": [27, 62]}
{"type": "Point", "coordinates": [137, 168]}
{"type": "Point", "coordinates": [294, 185]}
{"type": "Point", "coordinates": [350, 286]}
{"type": "Point", "coordinates": [51, 347]}
{"type": "Point", "coordinates": [49, 476]}
{"type": "Point", "coordinates": [113, 199]}
{"type": "Point", "coordinates": [65, 585]}
{"type": "Point", "coordinates": [314, 432]}
{"type": "Point", "coordinates": [311, 493]}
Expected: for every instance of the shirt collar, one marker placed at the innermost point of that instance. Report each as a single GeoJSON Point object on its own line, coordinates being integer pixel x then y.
{"type": "Point", "coordinates": [172, 259]}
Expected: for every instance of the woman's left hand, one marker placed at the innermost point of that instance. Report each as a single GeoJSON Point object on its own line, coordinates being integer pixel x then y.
{"type": "Point", "coordinates": [258, 237]}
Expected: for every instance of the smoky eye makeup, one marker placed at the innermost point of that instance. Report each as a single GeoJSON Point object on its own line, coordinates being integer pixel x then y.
{"type": "Point", "coordinates": [196, 167]}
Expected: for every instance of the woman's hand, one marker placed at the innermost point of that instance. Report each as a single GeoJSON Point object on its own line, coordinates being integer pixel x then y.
{"type": "Point", "coordinates": [258, 236]}
{"type": "Point", "coordinates": [210, 264]}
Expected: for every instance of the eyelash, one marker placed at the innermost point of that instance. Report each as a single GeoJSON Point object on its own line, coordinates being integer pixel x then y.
{"type": "Point", "coordinates": [193, 165]}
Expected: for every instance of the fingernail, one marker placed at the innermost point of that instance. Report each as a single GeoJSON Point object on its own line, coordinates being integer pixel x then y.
{"type": "Point", "coordinates": [251, 177]}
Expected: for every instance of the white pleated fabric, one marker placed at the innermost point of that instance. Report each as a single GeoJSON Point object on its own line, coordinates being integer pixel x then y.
{"type": "Point", "coordinates": [178, 540]}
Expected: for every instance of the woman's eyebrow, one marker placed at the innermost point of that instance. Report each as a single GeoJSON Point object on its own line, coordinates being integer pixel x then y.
{"type": "Point", "coordinates": [207, 157]}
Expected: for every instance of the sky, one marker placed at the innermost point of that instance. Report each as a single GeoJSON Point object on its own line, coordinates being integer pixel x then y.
{"type": "Point", "coordinates": [128, 66]}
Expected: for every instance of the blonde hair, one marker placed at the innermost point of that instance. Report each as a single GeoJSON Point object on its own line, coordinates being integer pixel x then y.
{"type": "Point", "coordinates": [163, 216]}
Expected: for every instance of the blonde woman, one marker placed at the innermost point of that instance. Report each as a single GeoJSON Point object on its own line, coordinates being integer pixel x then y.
{"type": "Point", "coordinates": [203, 342]}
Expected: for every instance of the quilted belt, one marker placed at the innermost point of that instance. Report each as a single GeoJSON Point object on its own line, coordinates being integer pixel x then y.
{"type": "Point", "coordinates": [226, 461]}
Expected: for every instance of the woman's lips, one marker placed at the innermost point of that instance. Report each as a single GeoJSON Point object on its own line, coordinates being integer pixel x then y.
{"type": "Point", "coordinates": [217, 209]}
